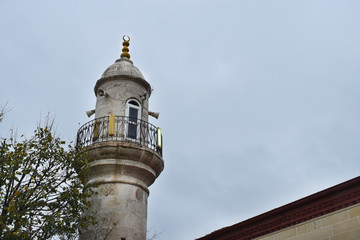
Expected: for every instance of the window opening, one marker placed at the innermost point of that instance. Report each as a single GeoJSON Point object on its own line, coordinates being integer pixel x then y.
{"type": "Point", "coordinates": [133, 112]}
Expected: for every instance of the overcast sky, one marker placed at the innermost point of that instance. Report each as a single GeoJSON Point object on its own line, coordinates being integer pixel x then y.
{"type": "Point", "coordinates": [258, 100]}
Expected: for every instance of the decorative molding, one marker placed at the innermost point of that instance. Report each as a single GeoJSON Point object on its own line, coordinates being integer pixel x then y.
{"type": "Point", "coordinates": [327, 201]}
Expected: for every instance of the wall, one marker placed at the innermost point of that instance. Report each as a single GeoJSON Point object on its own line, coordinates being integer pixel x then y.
{"type": "Point", "coordinates": [340, 225]}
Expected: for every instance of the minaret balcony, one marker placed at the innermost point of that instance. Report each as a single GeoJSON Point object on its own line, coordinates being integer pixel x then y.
{"type": "Point", "coordinates": [120, 129]}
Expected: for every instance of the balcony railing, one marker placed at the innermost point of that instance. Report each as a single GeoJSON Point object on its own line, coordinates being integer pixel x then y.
{"type": "Point", "coordinates": [120, 129]}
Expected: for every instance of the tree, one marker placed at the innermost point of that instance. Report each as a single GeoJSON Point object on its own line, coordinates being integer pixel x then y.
{"type": "Point", "coordinates": [42, 191]}
{"type": "Point", "coordinates": [42, 194]}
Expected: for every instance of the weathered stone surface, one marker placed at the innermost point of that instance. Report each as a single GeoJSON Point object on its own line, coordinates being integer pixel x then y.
{"type": "Point", "coordinates": [119, 211]}
{"type": "Point", "coordinates": [119, 90]}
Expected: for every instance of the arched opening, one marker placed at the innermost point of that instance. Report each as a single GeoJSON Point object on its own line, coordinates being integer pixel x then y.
{"type": "Point", "coordinates": [133, 113]}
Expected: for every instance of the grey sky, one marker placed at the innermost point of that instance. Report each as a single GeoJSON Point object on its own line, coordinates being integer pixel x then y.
{"type": "Point", "coordinates": [258, 100]}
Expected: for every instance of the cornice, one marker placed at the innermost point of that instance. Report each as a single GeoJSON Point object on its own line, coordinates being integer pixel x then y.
{"type": "Point", "coordinates": [138, 80]}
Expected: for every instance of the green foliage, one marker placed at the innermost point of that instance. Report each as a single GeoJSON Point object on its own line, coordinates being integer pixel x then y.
{"type": "Point", "coordinates": [42, 194]}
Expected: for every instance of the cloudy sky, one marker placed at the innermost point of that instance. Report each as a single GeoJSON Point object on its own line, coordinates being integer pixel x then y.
{"type": "Point", "coordinates": [258, 100]}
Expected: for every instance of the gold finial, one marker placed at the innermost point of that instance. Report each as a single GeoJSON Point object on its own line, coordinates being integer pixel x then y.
{"type": "Point", "coordinates": [125, 50]}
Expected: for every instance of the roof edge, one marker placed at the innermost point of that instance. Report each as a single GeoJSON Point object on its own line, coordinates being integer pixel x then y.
{"type": "Point", "coordinates": [321, 203]}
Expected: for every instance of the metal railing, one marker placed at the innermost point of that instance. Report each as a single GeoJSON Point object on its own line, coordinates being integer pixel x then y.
{"type": "Point", "coordinates": [120, 129]}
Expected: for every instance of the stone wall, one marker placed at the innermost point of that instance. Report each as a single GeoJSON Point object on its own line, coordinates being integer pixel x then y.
{"type": "Point", "coordinates": [340, 225]}
{"type": "Point", "coordinates": [119, 91]}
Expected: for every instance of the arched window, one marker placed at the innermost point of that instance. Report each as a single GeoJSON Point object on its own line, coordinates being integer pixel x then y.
{"type": "Point", "coordinates": [133, 113]}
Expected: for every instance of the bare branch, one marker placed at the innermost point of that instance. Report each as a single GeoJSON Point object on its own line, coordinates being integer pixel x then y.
{"type": "Point", "coordinates": [153, 236]}
{"type": "Point", "coordinates": [3, 110]}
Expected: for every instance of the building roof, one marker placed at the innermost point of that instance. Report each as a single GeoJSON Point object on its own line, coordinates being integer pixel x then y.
{"type": "Point", "coordinates": [327, 201]}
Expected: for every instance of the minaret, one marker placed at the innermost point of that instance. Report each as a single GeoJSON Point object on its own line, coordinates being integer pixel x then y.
{"type": "Point", "coordinates": [124, 152]}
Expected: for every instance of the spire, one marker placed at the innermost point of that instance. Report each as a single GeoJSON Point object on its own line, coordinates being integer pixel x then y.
{"type": "Point", "coordinates": [125, 50]}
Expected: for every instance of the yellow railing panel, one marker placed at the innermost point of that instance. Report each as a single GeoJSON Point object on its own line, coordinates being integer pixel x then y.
{"type": "Point", "coordinates": [112, 125]}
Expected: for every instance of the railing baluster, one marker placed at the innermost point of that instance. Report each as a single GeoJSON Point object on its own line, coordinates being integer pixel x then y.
{"type": "Point", "coordinates": [98, 130]}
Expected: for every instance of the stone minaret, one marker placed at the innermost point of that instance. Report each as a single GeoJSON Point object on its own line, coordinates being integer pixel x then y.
{"type": "Point", "coordinates": [124, 152]}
